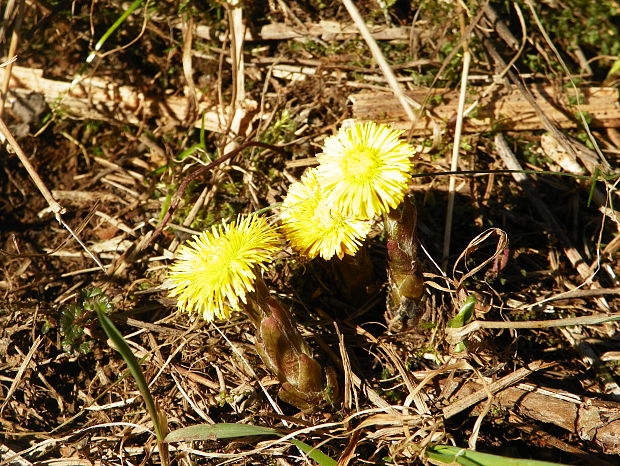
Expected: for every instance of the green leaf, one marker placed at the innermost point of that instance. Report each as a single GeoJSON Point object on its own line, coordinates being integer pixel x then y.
{"type": "Point", "coordinates": [217, 431]}
{"type": "Point", "coordinates": [465, 313]}
{"type": "Point", "coordinates": [314, 454]}
{"type": "Point", "coordinates": [227, 431]}
{"type": "Point", "coordinates": [449, 455]}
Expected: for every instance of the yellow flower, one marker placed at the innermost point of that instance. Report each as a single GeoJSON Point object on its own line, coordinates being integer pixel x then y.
{"type": "Point", "coordinates": [365, 169]}
{"type": "Point", "coordinates": [313, 228]}
{"type": "Point", "coordinates": [215, 270]}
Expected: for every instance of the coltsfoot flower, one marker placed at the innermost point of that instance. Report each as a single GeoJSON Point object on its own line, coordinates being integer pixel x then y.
{"type": "Point", "coordinates": [365, 169]}
{"type": "Point", "coordinates": [313, 228]}
{"type": "Point", "coordinates": [215, 270]}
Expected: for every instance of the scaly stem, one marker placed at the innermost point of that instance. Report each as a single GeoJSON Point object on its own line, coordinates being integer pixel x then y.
{"type": "Point", "coordinates": [406, 284]}
{"type": "Point", "coordinates": [305, 383]}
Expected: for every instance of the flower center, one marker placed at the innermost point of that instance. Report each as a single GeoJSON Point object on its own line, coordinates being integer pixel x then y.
{"type": "Point", "coordinates": [360, 163]}
{"type": "Point", "coordinates": [219, 261]}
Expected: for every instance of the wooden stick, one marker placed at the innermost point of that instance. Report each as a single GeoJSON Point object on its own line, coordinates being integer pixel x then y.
{"type": "Point", "coordinates": [505, 109]}
{"type": "Point", "coordinates": [590, 419]}
{"type": "Point", "coordinates": [324, 30]}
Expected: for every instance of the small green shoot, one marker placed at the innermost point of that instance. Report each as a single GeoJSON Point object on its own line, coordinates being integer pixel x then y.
{"type": "Point", "coordinates": [462, 318]}
{"type": "Point", "coordinates": [280, 131]}
{"type": "Point", "coordinates": [615, 69]}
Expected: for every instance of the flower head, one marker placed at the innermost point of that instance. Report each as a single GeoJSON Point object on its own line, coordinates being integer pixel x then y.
{"type": "Point", "coordinates": [365, 169]}
{"type": "Point", "coordinates": [313, 228]}
{"type": "Point", "coordinates": [216, 269]}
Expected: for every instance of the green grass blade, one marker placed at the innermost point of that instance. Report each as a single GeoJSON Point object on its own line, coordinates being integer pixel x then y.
{"type": "Point", "coordinates": [113, 28]}
{"type": "Point", "coordinates": [226, 431]}
{"type": "Point", "coordinates": [451, 455]}
{"type": "Point", "coordinates": [134, 367]}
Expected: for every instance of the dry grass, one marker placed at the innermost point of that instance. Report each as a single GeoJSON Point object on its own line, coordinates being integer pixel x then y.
{"type": "Point", "coordinates": [125, 150]}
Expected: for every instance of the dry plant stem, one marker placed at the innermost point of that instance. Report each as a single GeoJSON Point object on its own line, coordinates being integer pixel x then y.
{"type": "Point", "coordinates": [459, 333]}
{"type": "Point", "coordinates": [10, 457]}
{"type": "Point", "coordinates": [545, 213]}
{"type": "Point", "coordinates": [20, 372]}
{"type": "Point", "coordinates": [198, 205]}
{"type": "Point", "coordinates": [504, 32]}
{"type": "Point", "coordinates": [372, 395]}
{"type": "Point", "coordinates": [575, 294]}
{"type": "Point", "coordinates": [55, 207]}
{"type": "Point", "coordinates": [237, 32]}
{"type": "Point", "coordinates": [455, 155]}
{"type": "Point", "coordinates": [500, 27]}
{"type": "Point", "coordinates": [394, 358]}
{"type": "Point", "coordinates": [348, 395]}
{"type": "Point", "coordinates": [188, 33]}
{"type": "Point", "coordinates": [475, 244]}
{"type": "Point", "coordinates": [235, 19]}
{"type": "Point", "coordinates": [405, 280]}
{"type": "Point", "coordinates": [381, 61]}
{"type": "Point", "coordinates": [200, 171]}
{"type": "Point", "coordinates": [12, 50]}
{"type": "Point", "coordinates": [455, 149]}
{"type": "Point", "coordinates": [473, 438]}
{"type": "Point", "coordinates": [305, 383]}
